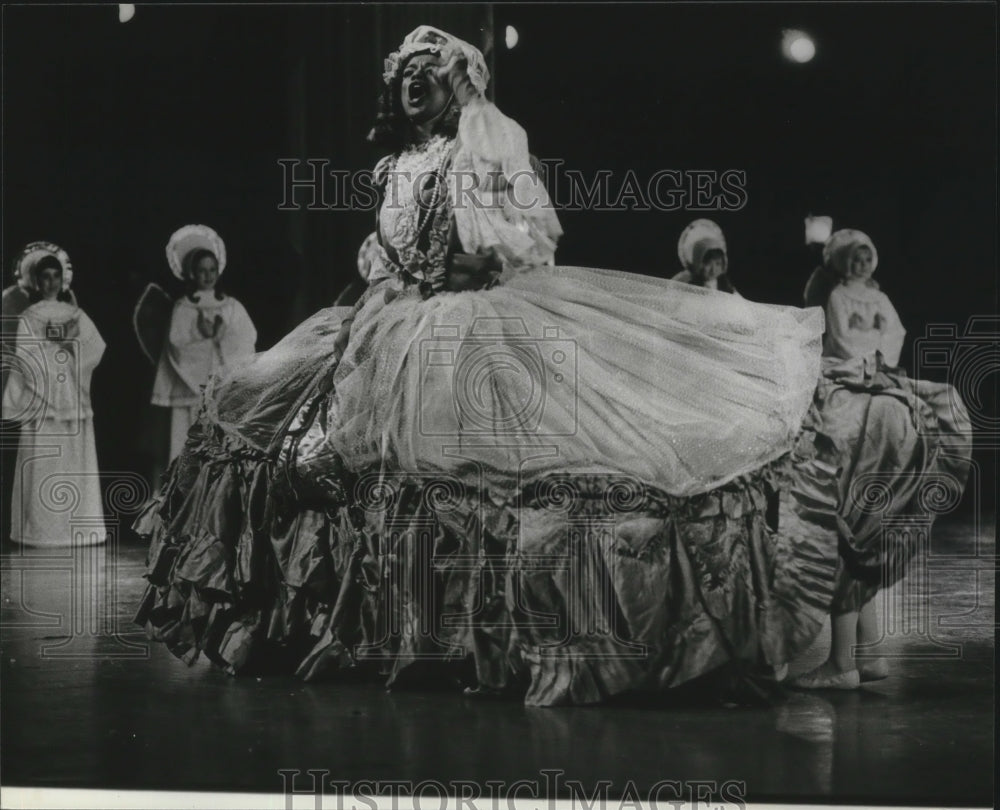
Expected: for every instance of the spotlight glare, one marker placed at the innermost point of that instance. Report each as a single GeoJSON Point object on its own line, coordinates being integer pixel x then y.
{"type": "Point", "coordinates": [510, 36]}
{"type": "Point", "coordinates": [798, 46]}
{"type": "Point", "coordinates": [126, 11]}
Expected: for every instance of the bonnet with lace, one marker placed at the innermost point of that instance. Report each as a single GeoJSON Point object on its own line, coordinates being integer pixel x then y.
{"type": "Point", "coordinates": [427, 39]}
{"type": "Point", "coordinates": [696, 240]}
{"type": "Point", "coordinates": [32, 254]}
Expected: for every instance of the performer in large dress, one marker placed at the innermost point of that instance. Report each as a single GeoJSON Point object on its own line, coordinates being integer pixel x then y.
{"type": "Point", "coordinates": [47, 393]}
{"type": "Point", "coordinates": [898, 442]}
{"type": "Point", "coordinates": [567, 478]}
{"type": "Point", "coordinates": [208, 333]}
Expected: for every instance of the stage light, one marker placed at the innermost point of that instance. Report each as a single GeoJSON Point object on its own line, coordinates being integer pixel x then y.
{"type": "Point", "coordinates": [798, 46]}
{"type": "Point", "coordinates": [818, 229]}
{"type": "Point", "coordinates": [126, 11]}
{"type": "Point", "coordinates": [803, 49]}
{"type": "Point", "coordinates": [510, 36]}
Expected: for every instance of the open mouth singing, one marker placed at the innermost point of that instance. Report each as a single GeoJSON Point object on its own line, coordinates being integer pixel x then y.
{"type": "Point", "coordinates": [417, 91]}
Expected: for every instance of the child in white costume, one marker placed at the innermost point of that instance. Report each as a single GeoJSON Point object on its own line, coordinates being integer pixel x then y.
{"type": "Point", "coordinates": [860, 319]}
{"type": "Point", "coordinates": [57, 489]}
{"type": "Point", "coordinates": [881, 426]}
{"type": "Point", "coordinates": [702, 251]}
{"type": "Point", "coordinates": [209, 332]}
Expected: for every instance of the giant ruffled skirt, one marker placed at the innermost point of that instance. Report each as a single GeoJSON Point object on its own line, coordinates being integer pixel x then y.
{"type": "Point", "coordinates": [577, 484]}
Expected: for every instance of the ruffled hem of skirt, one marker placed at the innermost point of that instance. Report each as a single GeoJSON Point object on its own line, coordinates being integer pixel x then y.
{"type": "Point", "coordinates": [580, 589]}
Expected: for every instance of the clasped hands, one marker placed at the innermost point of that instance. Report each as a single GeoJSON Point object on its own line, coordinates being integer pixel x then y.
{"type": "Point", "coordinates": [856, 321]}
{"type": "Point", "coordinates": [211, 329]}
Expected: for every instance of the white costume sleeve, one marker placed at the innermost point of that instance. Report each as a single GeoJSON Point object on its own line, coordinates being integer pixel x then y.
{"type": "Point", "coordinates": [17, 402]}
{"type": "Point", "coordinates": [189, 349]}
{"type": "Point", "coordinates": [92, 345]}
{"type": "Point", "coordinates": [240, 338]}
{"type": "Point", "coordinates": [891, 330]}
{"type": "Point", "coordinates": [499, 202]}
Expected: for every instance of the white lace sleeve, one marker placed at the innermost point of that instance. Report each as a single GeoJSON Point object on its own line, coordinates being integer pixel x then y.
{"type": "Point", "coordinates": [500, 204]}
{"type": "Point", "coordinates": [92, 345]}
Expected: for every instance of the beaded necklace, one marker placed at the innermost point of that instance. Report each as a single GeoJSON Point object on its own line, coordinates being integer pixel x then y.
{"type": "Point", "coordinates": [410, 222]}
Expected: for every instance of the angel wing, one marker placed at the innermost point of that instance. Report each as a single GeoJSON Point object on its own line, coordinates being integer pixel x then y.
{"type": "Point", "coordinates": [151, 320]}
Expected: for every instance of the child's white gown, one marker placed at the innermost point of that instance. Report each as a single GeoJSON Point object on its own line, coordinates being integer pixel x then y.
{"type": "Point", "coordinates": [189, 358]}
{"type": "Point", "coordinates": [57, 486]}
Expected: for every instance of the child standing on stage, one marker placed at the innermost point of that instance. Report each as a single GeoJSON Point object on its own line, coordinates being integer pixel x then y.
{"type": "Point", "coordinates": [209, 332]}
{"type": "Point", "coordinates": [57, 492]}
{"type": "Point", "coordinates": [702, 251]}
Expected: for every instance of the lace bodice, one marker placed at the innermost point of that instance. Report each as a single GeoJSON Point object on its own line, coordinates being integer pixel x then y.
{"type": "Point", "coordinates": [415, 217]}
{"type": "Point", "coordinates": [427, 207]}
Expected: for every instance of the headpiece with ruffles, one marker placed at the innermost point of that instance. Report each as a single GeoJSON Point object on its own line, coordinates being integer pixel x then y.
{"type": "Point", "coordinates": [193, 237]}
{"type": "Point", "coordinates": [427, 39]}
{"type": "Point", "coordinates": [30, 256]}
{"type": "Point", "coordinates": [696, 240]}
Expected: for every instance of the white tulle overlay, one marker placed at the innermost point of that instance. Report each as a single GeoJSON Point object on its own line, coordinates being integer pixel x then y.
{"type": "Point", "coordinates": [572, 368]}
{"type": "Point", "coordinates": [556, 368]}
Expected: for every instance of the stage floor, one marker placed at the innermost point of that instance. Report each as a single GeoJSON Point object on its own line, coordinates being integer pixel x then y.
{"type": "Point", "coordinates": [84, 707]}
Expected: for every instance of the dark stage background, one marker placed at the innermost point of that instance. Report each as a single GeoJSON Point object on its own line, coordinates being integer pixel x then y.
{"type": "Point", "coordinates": [116, 134]}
